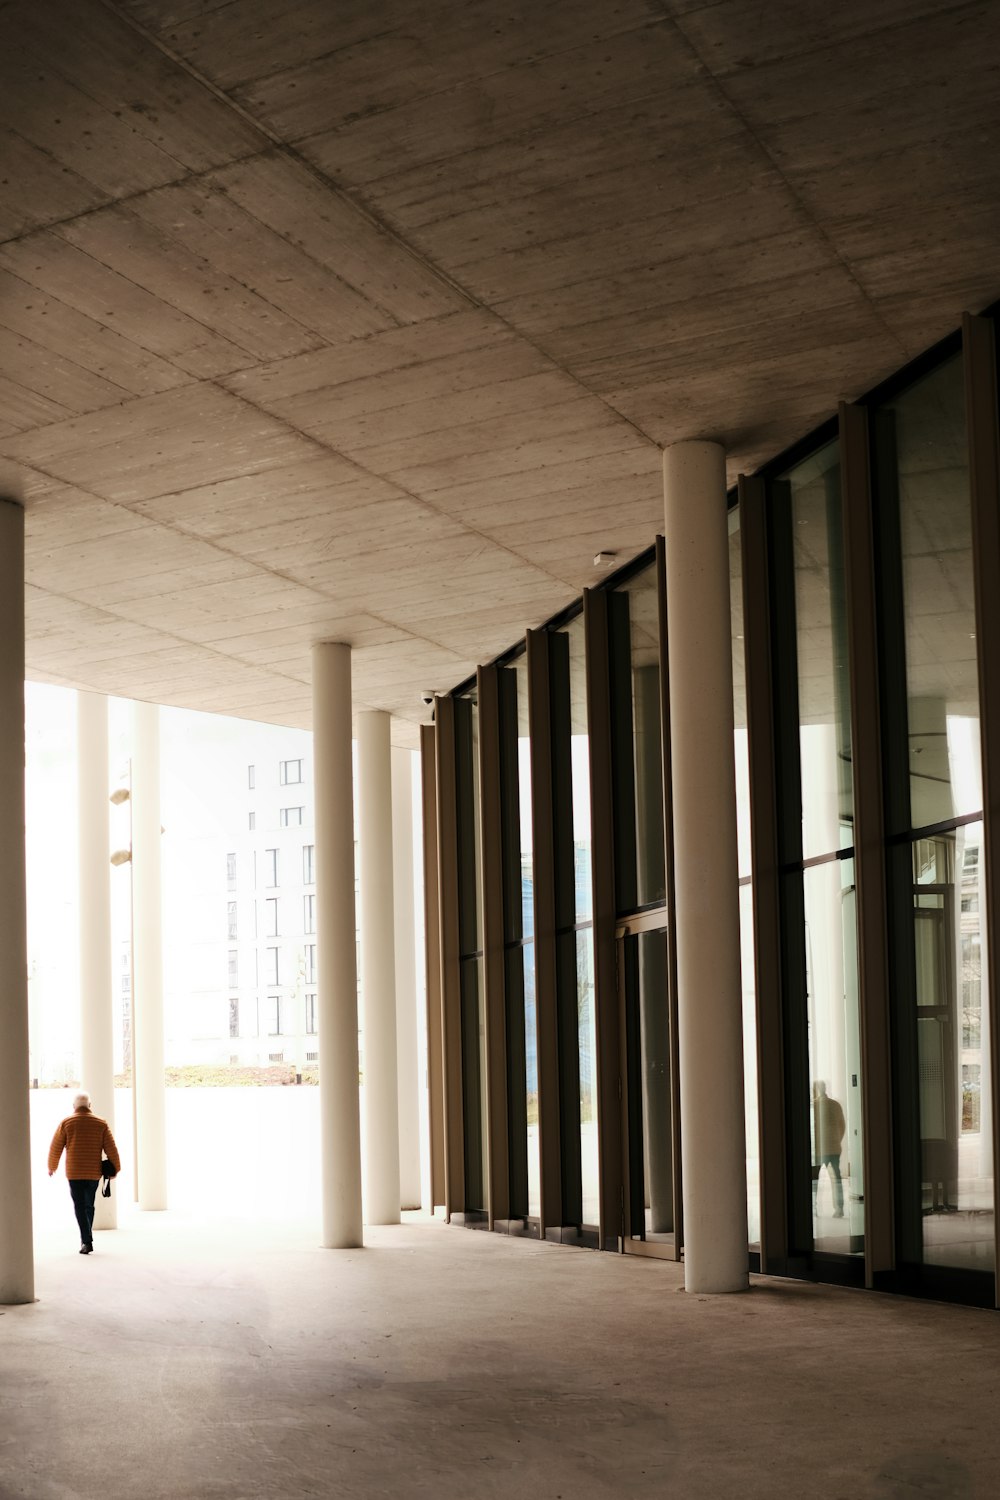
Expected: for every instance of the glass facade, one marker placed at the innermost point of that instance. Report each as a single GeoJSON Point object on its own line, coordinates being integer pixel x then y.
{"type": "Point", "coordinates": [873, 1159]}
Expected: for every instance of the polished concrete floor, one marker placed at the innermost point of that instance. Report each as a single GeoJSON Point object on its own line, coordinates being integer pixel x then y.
{"type": "Point", "coordinates": [203, 1360]}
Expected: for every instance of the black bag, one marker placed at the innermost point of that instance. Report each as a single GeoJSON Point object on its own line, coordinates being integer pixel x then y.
{"type": "Point", "coordinates": [108, 1170]}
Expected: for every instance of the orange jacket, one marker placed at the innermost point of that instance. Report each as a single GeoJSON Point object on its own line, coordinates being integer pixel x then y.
{"type": "Point", "coordinates": [83, 1136]}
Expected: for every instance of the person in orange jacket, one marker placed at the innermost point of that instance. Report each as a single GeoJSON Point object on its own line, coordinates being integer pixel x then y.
{"type": "Point", "coordinates": [85, 1137]}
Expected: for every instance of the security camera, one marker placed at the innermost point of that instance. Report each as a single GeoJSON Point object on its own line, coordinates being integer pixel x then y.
{"type": "Point", "coordinates": [427, 697]}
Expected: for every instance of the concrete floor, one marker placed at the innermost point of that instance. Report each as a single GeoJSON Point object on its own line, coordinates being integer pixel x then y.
{"type": "Point", "coordinates": [205, 1361]}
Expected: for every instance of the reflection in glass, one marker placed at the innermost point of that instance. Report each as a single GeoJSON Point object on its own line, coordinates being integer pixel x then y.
{"type": "Point", "coordinates": [473, 1000]}
{"type": "Point", "coordinates": [648, 1041]}
{"type": "Point", "coordinates": [834, 1057]}
{"type": "Point", "coordinates": [821, 654]}
{"type": "Point", "coordinates": [956, 1104]}
{"type": "Point", "coordinates": [640, 852]}
{"type": "Point", "coordinates": [742, 759]}
{"type": "Point", "coordinates": [520, 667]}
{"type": "Point", "coordinates": [584, 911]}
{"type": "Point", "coordinates": [923, 431]}
{"type": "Point", "coordinates": [588, 1075]}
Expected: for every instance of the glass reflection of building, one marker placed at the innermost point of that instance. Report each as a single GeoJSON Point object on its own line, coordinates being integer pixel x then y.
{"type": "Point", "coordinates": [864, 854]}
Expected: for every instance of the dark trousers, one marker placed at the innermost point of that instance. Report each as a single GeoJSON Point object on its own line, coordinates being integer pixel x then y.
{"type": "Point", "coordinates": [84, 1195]}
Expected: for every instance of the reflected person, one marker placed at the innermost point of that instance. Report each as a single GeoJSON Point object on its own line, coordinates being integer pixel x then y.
{"type": "Point", "coordinates": [85, 1137]}
{"type": "Point", "coordinates": [829, 1129]}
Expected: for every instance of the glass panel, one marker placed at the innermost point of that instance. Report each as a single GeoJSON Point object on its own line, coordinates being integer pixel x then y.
{"type": "Point", "coordinates": [580, 752]}
{"type": "Point", "coordinates": [643, 967]}
{"type": "Point", "coordinates": [741, 743]}
{"type": "Point", "coordinates": [645, 636]}
{"type": "Point", "coordinates": [956, 1107]}
{"type": "Point", "coordinates": [638, 762]}
{"type": "Point", "coordinates": [528, 929]}
{"type": "Point", "coordinates": [588, 1075]}
{"type": "Point", "coordinates": [531, 1081]}
{"type": "Point", "coordinates": [750, 1094]}
{"type": "Point", "coordinates": [821, 654]}
{"type": "Point", "coordinates": [834, 1058]}
{"type": "Point", "coordinates": [467, 796]}
{"type": "Point", "coordinates": [473, 1082]}
{"type": "Point", "coordinates": [927, 425]}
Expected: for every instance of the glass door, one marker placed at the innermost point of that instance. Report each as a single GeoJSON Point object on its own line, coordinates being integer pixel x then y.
{"type": "Point", "coordinates": [651, 1208]}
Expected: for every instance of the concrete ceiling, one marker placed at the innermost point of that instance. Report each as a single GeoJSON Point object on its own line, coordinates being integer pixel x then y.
{"type": "Point", "coordinates": [367, 321]}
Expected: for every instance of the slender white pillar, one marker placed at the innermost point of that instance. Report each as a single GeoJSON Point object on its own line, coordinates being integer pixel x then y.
{"type": "Point", "coordinates": [337, 1020]}
{"type": "Point", "coordinates": [17, 1272]}
{"type": "Point", "coordinates": [710, 1025]}
{"type": "Point", "coordinates": [97, 1066]}
{"type": "Point", "coordinates": [147, 959]}
{"type": "Point", "coordinates": [378, 969]}
{"type": "Point", "coordinates": [408, 1090]}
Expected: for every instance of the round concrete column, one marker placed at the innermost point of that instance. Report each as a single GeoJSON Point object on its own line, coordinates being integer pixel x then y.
{"type": "Point", "coordinates": [333, 772]}
{"type": "Point", "coordinates": [408, 1092]}
{"type": "Point", "coordinates": [17, 1272]}
{"type": "Point", "coordinates": [378, 969]}
{"type": "Point", "coordinates": [97, 1067]}
{"type": "Point", "coordinates": [710, 1026]}
{"type": "Point", "coordinates": [147, 959]}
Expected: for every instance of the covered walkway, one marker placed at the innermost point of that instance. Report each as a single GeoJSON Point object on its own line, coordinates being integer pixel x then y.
{"type": "Point", "coordinates": [196, 1360]}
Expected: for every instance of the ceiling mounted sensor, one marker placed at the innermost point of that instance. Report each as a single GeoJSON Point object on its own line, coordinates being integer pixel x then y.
{"type": "Point", "coordinates": [605, 559]}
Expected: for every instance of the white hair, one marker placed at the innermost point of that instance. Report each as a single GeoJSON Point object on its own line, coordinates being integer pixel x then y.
{"type": "Point", "coordinates": [82, 1101]}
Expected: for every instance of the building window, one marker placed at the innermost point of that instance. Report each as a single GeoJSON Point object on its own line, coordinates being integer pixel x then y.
{"type": "Point", "coordinates": [231, 920]}
{"type": "Point", "coordinates": [308, 864]}
{"type": "Point", "coordinates": [291, 772]}
{"type": "Point", "coordinates": [252, 821]}
{"type": "Point", "coordinates": [274, 1016]}
{"type": "Point", "coordinates": [276, 1057]}
{"type": "Point", "coordinates": [234, 1016]}
{"type": "Point", "coordinates": [273, 976]}
{"type": "Point", "coordinates": [271, 917]}
{"type": "Point", "coordinates": [310, 963]}
{"type": "Point", "coordinates": [290, 817]}
{"type": "Point", "coordinates": [270, 867]}
{"type": "Point", "coordinates": [251, 777]}
{"type": "Point", "coordinates": [126, 984]}
{"type": "Point", "coordinates": [312, 1057]}
{"type": "Point", "coordinates": [231, 871]}
{"type": "Point", "coordinates": [309, 913]}
{"type": "Point", "coordinates": [233, 968]}
{"type": "Point", "coordinates": [311, 1015]}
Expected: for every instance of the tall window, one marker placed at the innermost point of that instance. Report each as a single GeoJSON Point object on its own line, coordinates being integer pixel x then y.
{"type": "Point", "coordinates": [231, 920]}
{"type": "Point", "coordinates": [251, 777]}
{"type": "Point", "coordinates": [309, 913]}
{"type": "Point", "coordinates": [271, 917]}
{"type": "Point", "coordinates": [311, 1014]}
{"type": "Point", "coordinates": [234, 977]}
{"type": "Point", "coordinates": [742, 762]}
{"type": "Point", "coordinates": [934, 803]}
{"type": "Point", "coordinates": [290, 772]}
{"type": "Point", "coordinates": [308, 864]}
{"type": "Point", "coordinates": [270, 867]}
{"type": "Point", "coordinates": [574, 917]}
{"type": "Point", "coordinates": [310, 963]}
{"type": "Point", "coordinates": [519, 940]}
{"type": "Point", "coordinates": [252, 821]}
{"type": "Point", "coordinates": [273, 972]}
{"type": "Point", "coordinates": [274, 1017]}
{"type": "Point", "coordinates": [231, 871]}
{"type": "Point", "coordinates": [473, 1011]}
{"type": "Point", "coordinates": [290, 817]}
{"type": "Point", "coordinates": [817, 835]}
{"type": "Point", "coordinates": [234, 1016]}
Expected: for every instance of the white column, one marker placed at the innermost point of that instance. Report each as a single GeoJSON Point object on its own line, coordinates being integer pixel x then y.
{"type": "Point", "coordinates": [96, 1022]}
{"type": "Point", "coordinates": [17, 1272]}
{"type": "Point", "coordinates": [147, 959]}
{"type": "Point", "coordinates": [378, 969]}
{"type": "Point", "coordinates": [408, 1092]}
{"type": "Point", "coordinates": [710, 1027]}
{"type": "Point", "coordinates": [337, 1002]}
